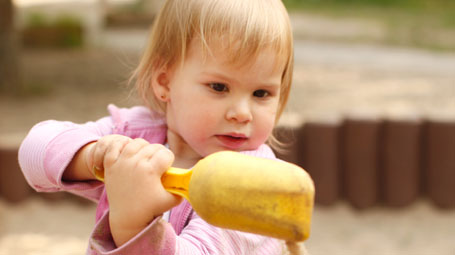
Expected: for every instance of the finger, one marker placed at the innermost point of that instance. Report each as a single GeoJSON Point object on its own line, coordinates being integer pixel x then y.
{"type": "Point", "coordinates": [147, 152]}
{"type": "Point", "coordinates": [113, 150]}
{"type": "Point", "coordinates": [103, 145]}
{"type": "Point", "coordinates": [98, 151]}
{"type": "Point", "coordinates": [162, 160]}
{"type": "Point", "coordinates": [133, 147]}
{"type": "Point", "coordinates": [89, 154]}
{"type": "Point", "coordinates": [170, 201]}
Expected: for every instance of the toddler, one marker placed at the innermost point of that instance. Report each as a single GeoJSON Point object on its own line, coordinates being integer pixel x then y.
{"type": "Point", "coordinates": [216, 76]}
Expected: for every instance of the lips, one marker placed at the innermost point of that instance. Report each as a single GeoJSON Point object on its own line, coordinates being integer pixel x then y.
{"type": "Point", "coordinates": [232, 141]}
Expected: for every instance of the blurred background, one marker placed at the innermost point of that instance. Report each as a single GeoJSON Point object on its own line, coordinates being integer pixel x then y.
{"type": "Point", "coordinates": [371, 115]}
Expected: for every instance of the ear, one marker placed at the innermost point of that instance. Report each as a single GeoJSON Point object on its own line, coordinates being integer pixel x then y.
{"type": "Point", "coordinates": [160, 84]}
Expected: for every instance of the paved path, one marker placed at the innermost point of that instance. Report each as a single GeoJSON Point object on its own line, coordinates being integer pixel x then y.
{"type": "Point", "coordinates": [334, 79]}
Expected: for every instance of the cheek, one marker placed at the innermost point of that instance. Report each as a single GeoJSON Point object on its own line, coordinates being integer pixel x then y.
{"type": "Point", "coordinates": [264, 125]}
{"type": "Point", "coordinates": [197, 121]}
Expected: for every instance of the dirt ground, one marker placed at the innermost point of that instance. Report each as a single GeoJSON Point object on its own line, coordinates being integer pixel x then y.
{"type": "Point", "coordinates": [331, 81]}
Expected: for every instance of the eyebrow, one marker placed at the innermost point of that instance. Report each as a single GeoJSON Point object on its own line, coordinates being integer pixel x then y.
{"type": "Point", "coordinates": [231, 80]}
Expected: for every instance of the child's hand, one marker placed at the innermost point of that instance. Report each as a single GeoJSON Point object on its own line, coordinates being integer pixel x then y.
{"type": "Point", "coordinates": [132, 175]}
{"type": "Point", "coordinates": [91, 157]}
{"type": "Point", "coordinates": [106, 148]}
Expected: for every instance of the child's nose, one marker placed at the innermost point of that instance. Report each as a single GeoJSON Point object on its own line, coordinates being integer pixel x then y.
{"type": "Point", "coordinates": [240, 111]}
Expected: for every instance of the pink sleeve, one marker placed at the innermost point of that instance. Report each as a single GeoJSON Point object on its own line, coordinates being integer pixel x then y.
{"type": "Point", "coordinates": [49, 147]}
{"type": "Point", "coordinates": [197, 238]}
{"type": "Point", "coordinates": [158, 236]}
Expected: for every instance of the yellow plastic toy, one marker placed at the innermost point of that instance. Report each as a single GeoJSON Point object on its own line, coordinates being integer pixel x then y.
{"type": "Point", "coordinates": [236, 191]}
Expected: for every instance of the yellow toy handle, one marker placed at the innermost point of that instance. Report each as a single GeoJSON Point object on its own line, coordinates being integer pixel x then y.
{"type": "Point", "coordinates": [175, 180]}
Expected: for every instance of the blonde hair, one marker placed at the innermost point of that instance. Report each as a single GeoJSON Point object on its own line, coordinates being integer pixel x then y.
{"type": "Point", "coordinates": [245, 27]}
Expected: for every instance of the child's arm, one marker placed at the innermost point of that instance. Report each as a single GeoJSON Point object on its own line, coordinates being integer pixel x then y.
{"type": "Point", "coordinates": [49, 148]}
{"type": "Point", "coordinates": [78, 169]}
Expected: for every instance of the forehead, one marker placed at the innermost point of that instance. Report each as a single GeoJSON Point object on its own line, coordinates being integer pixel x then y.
{"type": "Point", "coordinates": [219, 54]}
{"type": "Point", "coordinates": [216, 66]}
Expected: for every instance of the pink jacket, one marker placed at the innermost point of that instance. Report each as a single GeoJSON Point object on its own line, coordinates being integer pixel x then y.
{"type": "Point", "coordinates": [50, 146]}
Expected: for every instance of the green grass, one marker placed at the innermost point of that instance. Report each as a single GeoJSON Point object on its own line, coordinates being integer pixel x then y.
{"type": "Point", "coordinates": [436, 12]}
{"type": "Point", "coordinates": [428, 6]}
{"type": "Point", "coordinates": [68, 30]}
{"type": "Point", "coordinates": [409, 22]}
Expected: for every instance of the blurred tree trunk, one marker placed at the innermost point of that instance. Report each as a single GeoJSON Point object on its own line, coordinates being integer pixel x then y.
{"type": "Point", "coordinates": [9, 76]}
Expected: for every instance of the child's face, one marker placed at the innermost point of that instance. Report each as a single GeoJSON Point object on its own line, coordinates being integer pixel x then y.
{"type": "Point", "coordinates": [214, 106]}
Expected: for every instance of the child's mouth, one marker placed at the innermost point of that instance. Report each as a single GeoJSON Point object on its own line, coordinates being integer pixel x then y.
{"type": "Point", "coordinates": [233, 141]}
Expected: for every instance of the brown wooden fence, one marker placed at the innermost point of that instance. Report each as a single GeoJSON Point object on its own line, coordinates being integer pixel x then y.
{"type": "Point", "coordinates": [376, 162]}
{"type": "Point", "coordinates": [366, 162]}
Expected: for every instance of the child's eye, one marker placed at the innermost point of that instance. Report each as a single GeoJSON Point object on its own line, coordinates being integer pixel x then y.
{"type": "Point", "coordinates": [218, 87]}
{"type": "Point", "coordinates": [261, 93]}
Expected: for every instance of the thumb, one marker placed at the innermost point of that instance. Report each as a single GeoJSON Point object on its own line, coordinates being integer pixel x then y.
{"type": "Point", "coordinates": [88, 156]}
{"type": "Point", "coordinates": [165, 159]}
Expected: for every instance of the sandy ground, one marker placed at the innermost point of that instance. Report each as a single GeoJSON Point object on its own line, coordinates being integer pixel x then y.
{"type": "Point", "coordinates": [38, 227]}
{"type": "Point", "coordinates": [331, 81]}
